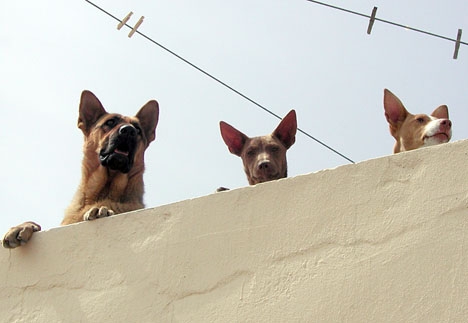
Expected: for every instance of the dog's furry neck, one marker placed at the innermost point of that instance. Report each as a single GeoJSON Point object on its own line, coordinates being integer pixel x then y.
{"type": "Point", "coordinates": [106, 184]}
{"type": "Point", "coordinates": [103, 187]}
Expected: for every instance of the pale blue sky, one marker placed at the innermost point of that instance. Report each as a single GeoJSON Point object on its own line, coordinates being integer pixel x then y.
{"type": "Point", "coordinates": [282, 53]}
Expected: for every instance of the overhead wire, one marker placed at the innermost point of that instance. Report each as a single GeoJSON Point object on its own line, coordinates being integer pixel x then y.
{"type": "Point", "coordinates": [221, 82]}
{"type": "Point", "coordinates": [388, 22]}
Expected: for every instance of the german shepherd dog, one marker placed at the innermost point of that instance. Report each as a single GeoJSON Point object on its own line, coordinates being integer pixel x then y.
{"type": "Point", "coordinates": [112, 166]}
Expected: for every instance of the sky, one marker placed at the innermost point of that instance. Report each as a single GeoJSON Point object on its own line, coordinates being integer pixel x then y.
{"type": "Point", "coordinates": [283, 54]}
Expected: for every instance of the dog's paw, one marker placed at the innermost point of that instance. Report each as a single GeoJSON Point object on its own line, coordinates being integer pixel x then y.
{"type": "Point", "coordinates": [19, 235]}
{"type": "Point", "coordinates": [96, 213]}
{"type": "Point", "coordinates": [221, 189]}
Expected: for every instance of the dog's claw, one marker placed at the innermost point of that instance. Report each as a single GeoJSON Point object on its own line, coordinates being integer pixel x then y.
{"type": "Point", "coordinates": [96, 213]}
{"type": "Point", "coordinates": [20, 234]}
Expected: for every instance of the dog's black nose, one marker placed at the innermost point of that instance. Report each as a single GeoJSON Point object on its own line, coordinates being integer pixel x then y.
{"type": "Point", "coordinates": [264, 165]}
{"type": "Point", "coordinates": [127, 130]}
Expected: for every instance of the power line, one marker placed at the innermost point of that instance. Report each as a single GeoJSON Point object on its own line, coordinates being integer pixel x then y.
{"type": "Point", "coordinates": [372, 17]}
{"type": "Point", "coordinates": [221, 82]}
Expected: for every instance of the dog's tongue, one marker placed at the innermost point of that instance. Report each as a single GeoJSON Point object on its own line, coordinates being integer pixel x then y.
{"type": "Point", "coordinates": [125, 153]}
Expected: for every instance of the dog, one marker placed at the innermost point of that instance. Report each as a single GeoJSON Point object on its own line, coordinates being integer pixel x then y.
{"type": "Point", "coordinates": [414, 131]}
{"type": "Point", "coordinates": [264, 157]}
{"type": "Point", "coordinates": [112, 165]}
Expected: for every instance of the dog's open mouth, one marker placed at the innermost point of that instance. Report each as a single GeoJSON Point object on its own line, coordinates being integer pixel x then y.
{"type": "Point", "coordinates": [440, 137]}
{"type": "Point", "coordinates": [121, 152]}
{"type": "Point", "coordinates": [118, 155]}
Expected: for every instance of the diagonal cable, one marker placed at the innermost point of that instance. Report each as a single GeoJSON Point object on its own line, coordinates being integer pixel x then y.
{"type": "Point", "coordinates": [387, 22]}
{"type": "Point", "coordinates": [221, 82]}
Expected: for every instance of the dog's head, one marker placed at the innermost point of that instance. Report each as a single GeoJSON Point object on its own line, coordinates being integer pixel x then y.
{"type": "Point", "coordinates": [118, 142]}
{"type": "Point", "coordinates": [414, 131]}
{"type": "Point", "coordinates": [264, 157]}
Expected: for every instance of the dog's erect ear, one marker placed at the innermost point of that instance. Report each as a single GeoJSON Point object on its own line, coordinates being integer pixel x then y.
{"type": "Point", "coordinates": [234, 139]}
{"type": "Point", "coordinates": [395, 112]}
{"type": "Point", "coordinates": [441, 112]}
{"type": "Point", "coordinates": [149, 117]}
{"type": "Point", "coordinates": [91, 110]}
{"type": "Point", "coordinates": [286, 130]}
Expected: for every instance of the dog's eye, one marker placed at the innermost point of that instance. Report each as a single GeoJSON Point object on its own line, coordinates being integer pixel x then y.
{"type": "Point", "coordinates": [420, 120]}
{"type": "Point", "coordinates": [274, 149]}
{"type": "Point", "coordinates": [251, 152]}
{"type": "Point", "coordinates": [110, 123]}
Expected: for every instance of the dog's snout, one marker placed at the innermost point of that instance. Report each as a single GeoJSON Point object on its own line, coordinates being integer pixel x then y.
{"type": "Point", "coordinates": [127, 130]}
{"type": "Point", "coordinates": [447, 123]}
{"type": "Point", "coordinates": [264, 165]}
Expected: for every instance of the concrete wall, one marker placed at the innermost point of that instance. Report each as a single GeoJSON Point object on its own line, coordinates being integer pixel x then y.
{"type": "Point", "coordinates": [381, 241]}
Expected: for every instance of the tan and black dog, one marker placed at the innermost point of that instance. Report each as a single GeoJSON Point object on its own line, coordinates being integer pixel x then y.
{"type": "Point", "coordinates": [264, 157]}
{"type": "Point", "coordinates": [112, 167]}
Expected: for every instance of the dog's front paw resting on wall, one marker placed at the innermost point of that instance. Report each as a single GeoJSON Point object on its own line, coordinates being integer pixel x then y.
{"type": "Point", "coordinates": [20, 234]}
{"type": "Point", "coordinates": [96, 213]}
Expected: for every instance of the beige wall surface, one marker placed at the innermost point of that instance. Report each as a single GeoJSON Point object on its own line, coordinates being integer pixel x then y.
{"type": "Point", "coordinates": [384, 240]}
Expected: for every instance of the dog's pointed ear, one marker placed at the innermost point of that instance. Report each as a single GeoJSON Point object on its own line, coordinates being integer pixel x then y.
{"type": "Point", "coordinates": [395, 111]}
{"type": "Point", "coordinates": [148, 116]}
{"type": "Point", "coordinates": [91, 110]}
{"type": "Point", "coordinates": [286, 130]}
{"type": "Point", "coordinates": [234, 139]}
{"type": "Point", "coordinates": [441, 112]}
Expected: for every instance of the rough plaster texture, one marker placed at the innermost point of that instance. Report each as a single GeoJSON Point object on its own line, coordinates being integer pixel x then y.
{"type": "Point", "coordinates": [381, 241]}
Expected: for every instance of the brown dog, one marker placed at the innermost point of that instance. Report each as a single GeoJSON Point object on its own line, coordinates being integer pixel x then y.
{"type": "Point", "coordinates": [112, 167]}
{"type": "Point", "coordinates": [414, 131]}
{"type": "Point", "coordinates": [264, 157]}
